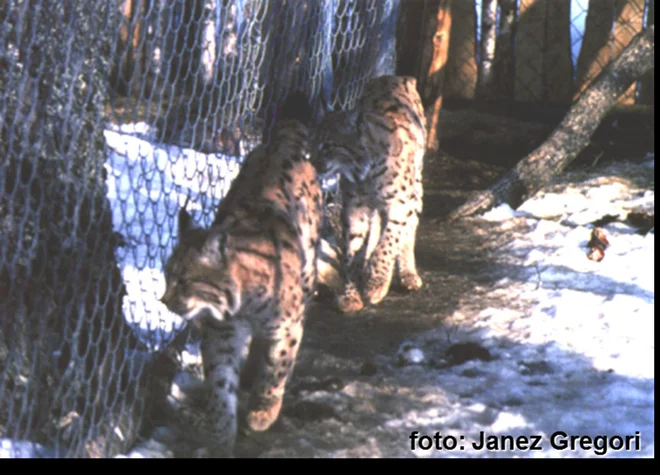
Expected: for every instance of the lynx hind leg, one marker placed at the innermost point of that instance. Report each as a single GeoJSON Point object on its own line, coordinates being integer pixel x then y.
{"type": "Point", "coordinates": [274, 371]}
{"type": "Point", "coordinates": [381, 265]}
{"type": "Point", "coordinates": [223, 347]}
{"type": "Point", "coordinates": [409, 278]}
{"type": "Point", "coordinates": [357, 223]}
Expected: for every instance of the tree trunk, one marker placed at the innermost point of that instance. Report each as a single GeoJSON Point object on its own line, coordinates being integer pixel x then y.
{"type": "Point", "coordinates": [210, 44]}
{"type": "Point", "coordinates": [409, 44]}
{"type": "Point", "coordinates": [557, 57]}
{"type": "Point", "coordinates": [572, 134]}
{"type": "Point", "coordinates": [544, 69]}
{"type": "Point", "coordinates": [530, 35]}
{"type": "Point", "coordinates": [646, 94]}
{"type": "Point", "coordinates": [487, 47]}
{"type": "Point", "coordinates": [61, 291]}
{"type": "Point", "coordinates": [595, 52]}
{"type": "Point", "coordinates": [503, 67]}
{"type": "Point", "coordinates": [629, 22]}
{"type": "Point", "coordinates": [127, 72]}
{"type": "Point", "coordinates": [461, 75]}
{"type": "Point", "coordinates": [436, 48]}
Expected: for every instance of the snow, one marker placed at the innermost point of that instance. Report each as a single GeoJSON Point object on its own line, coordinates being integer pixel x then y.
{"type": "Point", "coordinates": [576, 354]}
{"type": "Point", "coordinates": [585, 328]}
{"type": "Point", "coordinates": [23, 449]}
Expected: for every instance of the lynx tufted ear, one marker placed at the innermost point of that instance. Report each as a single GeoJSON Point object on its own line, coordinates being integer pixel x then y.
{"type": "Point", "coordinates": [186, 223]}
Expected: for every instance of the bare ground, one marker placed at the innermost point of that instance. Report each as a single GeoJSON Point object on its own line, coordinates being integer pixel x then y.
{"type": "Point", "coordinates": [462, 355]}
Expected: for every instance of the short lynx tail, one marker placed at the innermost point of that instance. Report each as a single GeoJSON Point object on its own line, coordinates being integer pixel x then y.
{"type": "Point", "coordinates": [295, 106]}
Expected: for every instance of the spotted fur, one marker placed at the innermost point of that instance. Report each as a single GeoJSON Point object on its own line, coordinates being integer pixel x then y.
{"type": "Point", "coordinates": [248, 279]}
{"type": "Point", "coordinates": [377, 148]}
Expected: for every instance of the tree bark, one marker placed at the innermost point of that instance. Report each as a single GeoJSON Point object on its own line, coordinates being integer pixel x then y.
{"type": "Point", "coordinates": [529, 47]}
{"type": "Point", "coordinates": [127, 72]}
{"type": "Point", "coordinates": [647, 92]}
{"type": "Point", "coordinates": [487, 45]}
{"type": "Point", "coordinates": [628, 22]}
{"type": "Point", "coordinates": [503, 67]}
{"type": "Point", "coordinates": [436, 41]}
{"type": "Point", "coordinates": [572, 134]}
{"type": "Point", "coordinates": [595, 53]}
{"type": "Point", "coordinates": [461, 74]}
{"type": "Point", "coordinates": [557, 62]}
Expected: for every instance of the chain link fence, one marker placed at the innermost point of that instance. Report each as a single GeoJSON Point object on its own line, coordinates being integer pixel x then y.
{"type": "Point", "coordinates": [113, 114]}
{"type": "Point", "coordinates": [538, 51]}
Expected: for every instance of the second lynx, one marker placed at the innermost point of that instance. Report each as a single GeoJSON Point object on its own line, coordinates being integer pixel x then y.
{"type": "Point", "coordinates": [378, 149]}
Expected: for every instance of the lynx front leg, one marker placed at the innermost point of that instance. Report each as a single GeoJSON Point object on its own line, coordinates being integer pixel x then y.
{"type": "Point", "coordinates": [222, 351]}
{"type": "Point", "coordinates": [380, 269]}
{"type": "Point", "coordinates": [408, 276]}
{"type": "Point", "coordinates": [273, 373]}
{"type": "Point", "coordinates": [357, 222]}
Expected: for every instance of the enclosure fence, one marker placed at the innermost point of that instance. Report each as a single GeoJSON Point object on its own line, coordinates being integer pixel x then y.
{"type": "Point", "coordinates": [534, 51]}
{"type": "Point", "coordinates": [114, 113]}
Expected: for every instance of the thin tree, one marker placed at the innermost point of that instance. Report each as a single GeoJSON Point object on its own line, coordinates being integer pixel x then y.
{"type": "Point", "coordinates": [487, 48]}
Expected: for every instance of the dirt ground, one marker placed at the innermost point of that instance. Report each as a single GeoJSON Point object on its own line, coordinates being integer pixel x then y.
{"type": "Point", "coordinates": [364, 382]}
{"type": "Point", "coordinates": [347, 350]}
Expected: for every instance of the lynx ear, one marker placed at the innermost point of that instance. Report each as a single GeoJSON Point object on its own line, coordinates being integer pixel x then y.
{"type": "Point", "coordinates": [186, 223]}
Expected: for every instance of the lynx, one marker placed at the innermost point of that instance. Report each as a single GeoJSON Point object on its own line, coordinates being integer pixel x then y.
{"type": "Point", "coordinates": [248, 279]}
{"type": "Point", "coordinates": [377, 148]}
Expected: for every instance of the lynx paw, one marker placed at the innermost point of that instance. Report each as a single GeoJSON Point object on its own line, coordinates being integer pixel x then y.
{"type": "Point", "coordinates": [375, 291]}
{"type": "Point", "coordinates": [349, 303]}
{"type": "Point", "coordinates": [261, 419]}
{"type": "Point", "coordinates": [411, 281]}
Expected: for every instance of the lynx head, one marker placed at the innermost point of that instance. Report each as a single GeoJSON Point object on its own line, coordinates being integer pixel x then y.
{"type": "Point", "coordinates": [338, 146]}
{"type": "Point", "coordinates": [198, 275]}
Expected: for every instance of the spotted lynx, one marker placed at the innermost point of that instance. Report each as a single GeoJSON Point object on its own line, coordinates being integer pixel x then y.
{"type": "Point", "coordinates": [247, 280]}
{"type": "Point", "coordinates": [378, 149]}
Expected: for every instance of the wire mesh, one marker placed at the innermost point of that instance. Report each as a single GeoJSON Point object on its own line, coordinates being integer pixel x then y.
{"type": "Point", "coordinates": [541, 51]}
{"type": "Point", "coordinates": [113, 113]}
